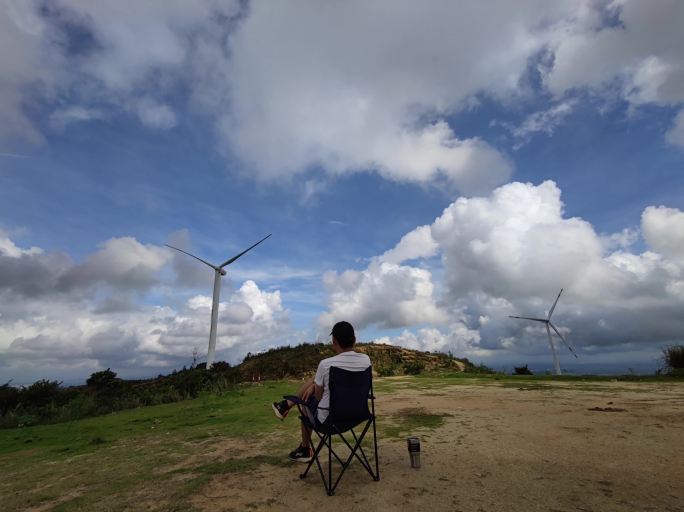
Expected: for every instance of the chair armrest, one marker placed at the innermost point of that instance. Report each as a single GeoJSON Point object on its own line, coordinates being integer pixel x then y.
{"type": "Point", "coordinates": [295, 399]}
{"type": "Point", "coordinates": [299, 401]}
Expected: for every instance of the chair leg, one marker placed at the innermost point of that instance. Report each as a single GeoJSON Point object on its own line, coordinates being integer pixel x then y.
{"type": "Point", "coordinates": [375, 445]}
{"type": "Point", "coordinates": [329, 487]}
{"type": "Point", "coordinates": [325, 440]}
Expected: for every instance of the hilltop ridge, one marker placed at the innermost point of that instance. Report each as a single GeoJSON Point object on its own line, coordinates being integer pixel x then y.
{"type": "Point", "coordinates": [301, 361]}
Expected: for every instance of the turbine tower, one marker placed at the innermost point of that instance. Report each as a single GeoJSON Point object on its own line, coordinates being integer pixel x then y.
{"type": "Point", "coordinates": [547, 323]}
{"type": "Point", "coordinates": [219, 272]}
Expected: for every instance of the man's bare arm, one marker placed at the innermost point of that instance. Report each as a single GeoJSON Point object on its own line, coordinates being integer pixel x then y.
{"type": "Point", "coordinates": [318, 392]}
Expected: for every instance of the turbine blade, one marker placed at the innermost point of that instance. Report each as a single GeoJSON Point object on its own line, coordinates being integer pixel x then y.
{"type": "Point", "coordinates": [563, 339]}
{"type": "Point", "coordinates": [554, 305]}
{"type": "Point", "coordinates": [191, 255]}
{"type": "Point", "coordinates": [530, 318]}
{"type": "Point", "coordinates": [231, 260]}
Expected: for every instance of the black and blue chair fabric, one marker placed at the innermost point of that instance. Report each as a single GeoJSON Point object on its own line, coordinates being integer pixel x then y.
{"type": "Point", "coordinates": [350, 395]}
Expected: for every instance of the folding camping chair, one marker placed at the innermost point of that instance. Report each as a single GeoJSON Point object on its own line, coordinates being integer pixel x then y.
{"type": "Point", "coordinates": [349, 395]}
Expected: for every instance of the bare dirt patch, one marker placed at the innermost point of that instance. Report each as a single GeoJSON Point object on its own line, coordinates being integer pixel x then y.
{"type": "Point", "coordinates": [497, 449]}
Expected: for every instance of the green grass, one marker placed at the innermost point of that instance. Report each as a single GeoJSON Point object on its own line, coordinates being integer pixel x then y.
{"type": "Point", "coordinates": [115, 462]}
{"type": "Point", "coordinates": [410, 421]}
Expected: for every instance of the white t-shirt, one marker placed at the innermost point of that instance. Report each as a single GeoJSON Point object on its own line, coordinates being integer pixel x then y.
{"type": "Point", "coordinates": [352, 361]}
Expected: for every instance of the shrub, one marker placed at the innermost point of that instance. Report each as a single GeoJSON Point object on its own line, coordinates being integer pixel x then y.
{"type": "Point", "coordinates": [479, 368]}
{"type": "Point", "coordinates": [9, 398]}
{"type": "Point", "coordinates": [414, 367]}
{"type": "Point", "coordinates": [108, 390]}
{"type": "Point", "coordinates": [386, 371]}
{"type": "Point", "coordinates": [673, 358]}
{"type": "Point", "coordinates": [102, 380]}
{"type": "Point", "coordinates": [40, 393]}
{"type": "Point", "coordinates": [522, 370]}
{"type": "Point", "coordinates": [81, 406]}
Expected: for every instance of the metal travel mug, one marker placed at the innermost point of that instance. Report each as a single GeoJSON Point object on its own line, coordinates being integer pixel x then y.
{"type": "Point", "coordinates": [414, 451]}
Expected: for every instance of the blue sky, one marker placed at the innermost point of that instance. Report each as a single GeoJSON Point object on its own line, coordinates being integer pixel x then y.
{"type": "Point", "coordinates": [423, 182]}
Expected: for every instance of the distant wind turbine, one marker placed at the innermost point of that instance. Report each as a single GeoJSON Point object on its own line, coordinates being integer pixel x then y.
{"type": "Point", "coordinates": [547, 322]}
{"type": "Point", "coordinates": [219, 272]}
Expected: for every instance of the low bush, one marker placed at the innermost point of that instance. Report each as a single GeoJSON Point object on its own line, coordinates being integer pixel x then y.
{"type": "Point", "coordinates": [413, 367]}
{"type": "Point", "coordinates": [478, 368]}
{"type": "Point", "coordinates": [9, 398]}
{"type": "Point", "coordinates": [522, 370]}
{"type": "Point", "coordinates": [386, 370]}
{"type": "Point", "coordinates": [673, 359]}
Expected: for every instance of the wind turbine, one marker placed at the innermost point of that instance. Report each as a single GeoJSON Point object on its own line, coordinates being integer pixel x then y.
{"type": "Point", "coordinates": [547, 323]}
{"type": "Point", "coordinates": [219, 272]}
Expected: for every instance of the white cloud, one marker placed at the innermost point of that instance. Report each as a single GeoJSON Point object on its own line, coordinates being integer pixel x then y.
{"type": "Point", "coordinates": [620, 240]}
{"type": "Point", "coordinates": [415, 244]}
{"type": "Point", "coordinates": [457, 338]}
{"type": "Point", "coordinates": [663, 230]}
{"type": "Point", "coordinates": [545, 121]}
{"type": "Point", "coordinates": [9, 248]}
{"type": "Point", "coordinates": [508, 254]}
{"type": "Point", "coordinates": [675, 135]}
{"type": "Point", "coordinates": [154, 114]}
{"type": "Point", "coordinates": [384, 294]}
{"type": "Point", "coordinates": [249, 320]}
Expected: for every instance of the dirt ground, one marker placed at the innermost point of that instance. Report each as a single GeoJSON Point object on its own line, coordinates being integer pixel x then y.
{"type": "Point", "coordinates": [500, 448]}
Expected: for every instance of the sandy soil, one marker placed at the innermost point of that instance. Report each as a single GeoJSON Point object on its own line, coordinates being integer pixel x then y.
{"type": "Point", "coordinates": [500, 449]}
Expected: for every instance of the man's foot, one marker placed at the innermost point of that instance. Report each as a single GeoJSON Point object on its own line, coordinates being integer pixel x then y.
{"type": "Point", "coordinates": [301, 454]}
{"type": "Point", "coordinates": [281, 409]}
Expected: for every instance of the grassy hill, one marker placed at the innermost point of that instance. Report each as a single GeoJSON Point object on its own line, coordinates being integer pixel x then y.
{"type": "Point", "coordinates": [301, 361]}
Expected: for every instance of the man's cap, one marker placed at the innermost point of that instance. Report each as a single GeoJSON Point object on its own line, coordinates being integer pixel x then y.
{"type": "Point", "coordinates": [343, 331]}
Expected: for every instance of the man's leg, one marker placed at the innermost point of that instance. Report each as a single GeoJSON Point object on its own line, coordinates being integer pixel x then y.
{"type": "Point", "coordinates": [306, 386]}
{"type": "Point", "coordinates": [306, 436]}
{"type": "Point", "coordinates": [283, 407]}
{"type": "Point", "coordinates": [304, 451]}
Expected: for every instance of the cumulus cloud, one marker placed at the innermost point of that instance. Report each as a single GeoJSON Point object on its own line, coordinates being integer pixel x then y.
{"type": "Point", "coordinates": [457, 338]}
{"type": "Point", "coordinates": [249, 320]}
{"type": "Point", "coordinates": [114, 310]}
{"type": "Point", "coordinates": [663, 230]}
{"type": "Point", "coordinates": [415, 244]}
{"type": "Point", "coordinates": [384, 294]}
{"type": "Point", "coordinates": [509, 253]}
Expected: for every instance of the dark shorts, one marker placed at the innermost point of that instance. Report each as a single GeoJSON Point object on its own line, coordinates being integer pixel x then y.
{"type": "Point", "coordinates": [310, 411]}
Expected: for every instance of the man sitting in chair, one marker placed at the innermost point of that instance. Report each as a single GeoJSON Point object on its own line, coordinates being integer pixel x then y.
{"type": "Point", "coordinates": [317, 389]}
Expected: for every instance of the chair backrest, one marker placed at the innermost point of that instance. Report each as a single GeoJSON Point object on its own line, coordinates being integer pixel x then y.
{"type": "Point", "coordinates": [349, 395]}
